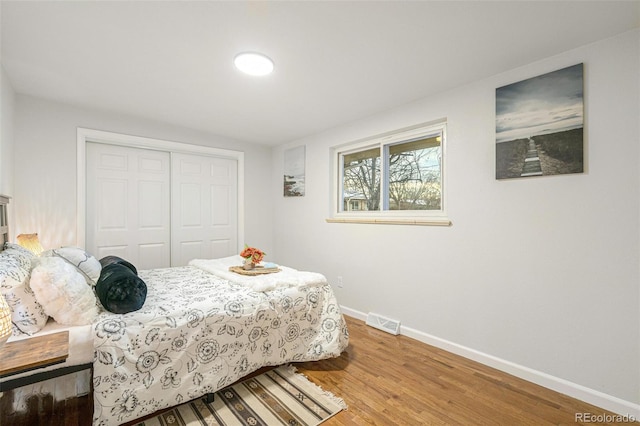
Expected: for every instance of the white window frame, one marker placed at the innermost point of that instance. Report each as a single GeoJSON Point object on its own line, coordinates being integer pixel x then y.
{"type": "Point", "coordinates": [404, 217]}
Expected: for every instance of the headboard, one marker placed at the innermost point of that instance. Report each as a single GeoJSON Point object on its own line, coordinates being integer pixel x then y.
{"type": "Point", "coordinates": [4, 221]}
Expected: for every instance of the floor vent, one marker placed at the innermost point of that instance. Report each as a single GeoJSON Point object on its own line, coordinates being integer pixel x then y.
{"type": "Point", "coordinates": [384, 324]}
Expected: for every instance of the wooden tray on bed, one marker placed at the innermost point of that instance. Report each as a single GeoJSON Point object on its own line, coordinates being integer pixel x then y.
{"type": "Point", "coordinates": [258, 270]}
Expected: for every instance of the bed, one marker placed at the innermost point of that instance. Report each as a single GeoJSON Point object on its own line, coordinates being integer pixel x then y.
{"type": "Point", "coordinates": [198, 333]}
{"type": "Point", "coordinates": [200, 329]}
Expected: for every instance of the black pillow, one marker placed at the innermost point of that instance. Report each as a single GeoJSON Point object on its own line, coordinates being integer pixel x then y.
{"type": "Point", "coordinates": [119, 288]}
{"type": "Point", "coordinates": [108, 260]}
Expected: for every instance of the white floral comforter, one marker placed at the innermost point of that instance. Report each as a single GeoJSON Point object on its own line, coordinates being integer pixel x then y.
{"type": "Point", "coordinates": [198, 333]}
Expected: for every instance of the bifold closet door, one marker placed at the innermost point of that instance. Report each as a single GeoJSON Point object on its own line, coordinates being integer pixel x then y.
{"type": "Point", "coordinates": [204, 207]}
{"type": "Point", "coordinates": [129, 204]}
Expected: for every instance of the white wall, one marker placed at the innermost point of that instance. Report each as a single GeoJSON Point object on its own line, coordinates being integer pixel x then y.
{"type": "Point", "coordinates": [540, 272]}
{"type": "Point", "coordinates": [45, 167]}
{"type": "Point", "coordinates": [7, 99]}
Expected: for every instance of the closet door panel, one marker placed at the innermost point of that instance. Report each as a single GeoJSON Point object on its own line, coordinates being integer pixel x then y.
{"type": "Point", "coordinates": [190, 197]}
{"type": "Point", "coordinates": [222, 248]}
{"type": "Point", "coordinates": [128, 204]}
{"type": "Point", "coordinates": [204, 209]}
{"type": "Point", "coordinates": [107, 250]}
{"type": "Point", "coordinates": [112, 197]}
{"type": "Point", "coordinates": [221, 206]}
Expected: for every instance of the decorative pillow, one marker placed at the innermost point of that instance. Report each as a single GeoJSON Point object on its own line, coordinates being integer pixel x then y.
{"type": "Point", "coordinates": [20, 255]}
{"type": "Point", "coordinates": [17, 247]}
{"type": "Point", "coordinates": [119, 289]}
{"type": "Point", "coordinates": [15, 267]}
{"type": "Point", "coordinates": [108, 260]}
{"type": "Point", "coordinates": [87, 265]}
{"type": "Point", "coordinates": [63, 292]}
{"type": "Point", "coordinates": [15, 331]}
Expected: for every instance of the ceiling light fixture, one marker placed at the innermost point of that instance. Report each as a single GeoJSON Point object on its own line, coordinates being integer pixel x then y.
{"type": "Point", "coordinates": [253, 63]}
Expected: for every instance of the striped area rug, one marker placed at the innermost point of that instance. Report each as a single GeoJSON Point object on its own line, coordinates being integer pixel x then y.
{"type": "Point", "coordinates": [277, 397]}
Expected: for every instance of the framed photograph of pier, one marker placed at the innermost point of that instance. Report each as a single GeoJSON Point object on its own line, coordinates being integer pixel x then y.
{"type": "Point", "coordinates": [294, 163]}
{"type": "Point", "coordinates": [539, 125]}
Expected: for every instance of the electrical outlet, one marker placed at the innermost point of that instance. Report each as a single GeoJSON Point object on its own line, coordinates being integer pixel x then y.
{"type": "Point", "coordinates": [339, 282]}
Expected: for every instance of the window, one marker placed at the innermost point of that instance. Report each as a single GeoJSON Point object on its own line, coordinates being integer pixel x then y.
{"type": "Point", "coordinates": [394, 178]}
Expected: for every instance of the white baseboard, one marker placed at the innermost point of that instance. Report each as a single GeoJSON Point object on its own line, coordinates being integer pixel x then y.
{"type": "Point", "coordinates": [574, 390]}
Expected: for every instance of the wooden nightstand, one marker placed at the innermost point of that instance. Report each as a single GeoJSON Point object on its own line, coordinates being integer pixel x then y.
{"type": "Point", "coordinates": [33, 353]}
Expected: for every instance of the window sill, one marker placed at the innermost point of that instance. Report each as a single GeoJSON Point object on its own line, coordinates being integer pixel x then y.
{"type": "Point", "coordinates": [392, 221]}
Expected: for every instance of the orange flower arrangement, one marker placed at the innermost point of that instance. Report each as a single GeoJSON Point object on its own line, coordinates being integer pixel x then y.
{"type": "Point", "coordinates": [252, 254]}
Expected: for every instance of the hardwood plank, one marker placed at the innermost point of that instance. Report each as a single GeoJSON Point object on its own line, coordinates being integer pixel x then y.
{"type": "Point", "coordinates": [386, 379]}
{"type": "Point", "coordinates": [47, 403]}
{"type": "Point", "coordinates": [36, 352]}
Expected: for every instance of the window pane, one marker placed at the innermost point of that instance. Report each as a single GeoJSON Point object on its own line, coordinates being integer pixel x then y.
{"type": "Point", "coordinates": [361, 180]}
{"type": "Point", "coordinates": [415, 175]}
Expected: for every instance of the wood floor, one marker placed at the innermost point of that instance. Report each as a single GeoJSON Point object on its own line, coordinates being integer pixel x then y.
{"type": "Point", "coordinates": [396, 380]}
{"type": "Point", "coordinates": [384, 379]}
{"type": "Point", "coordinates": [40, 404]}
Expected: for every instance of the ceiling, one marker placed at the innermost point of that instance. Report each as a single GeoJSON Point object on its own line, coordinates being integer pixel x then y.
{"type": "Point", "coordinates": [335, 61]}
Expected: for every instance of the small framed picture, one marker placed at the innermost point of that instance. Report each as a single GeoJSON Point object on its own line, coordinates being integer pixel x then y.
{"type": "Point", "coordinates": [294, 162]}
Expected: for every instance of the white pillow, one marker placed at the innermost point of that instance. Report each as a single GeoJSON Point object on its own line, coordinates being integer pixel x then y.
{"type": "Point", "coordinates": [17, 247]}
{"type": "Point", "coordinates": [86, 264]}
{"type": "Point", "coordinates": [63, 292]}
{"type": "Point", "coordinates": [26, 313]}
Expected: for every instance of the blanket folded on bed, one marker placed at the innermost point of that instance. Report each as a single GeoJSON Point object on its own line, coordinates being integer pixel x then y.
{"type": "Point", "coordinates": [287, 277]}
{"type": "Point", "coordinates": [119, 288]}
{"type": "Point", "coordinates": [110, 260]}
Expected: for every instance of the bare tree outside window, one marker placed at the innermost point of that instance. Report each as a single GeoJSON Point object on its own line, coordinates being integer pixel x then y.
{"type": "Point", "coordinates": [411, 173]}
{"type": "Point", "coordinates": [414, 175]}
{"type": "Point", "coordinates": [361, 179]}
